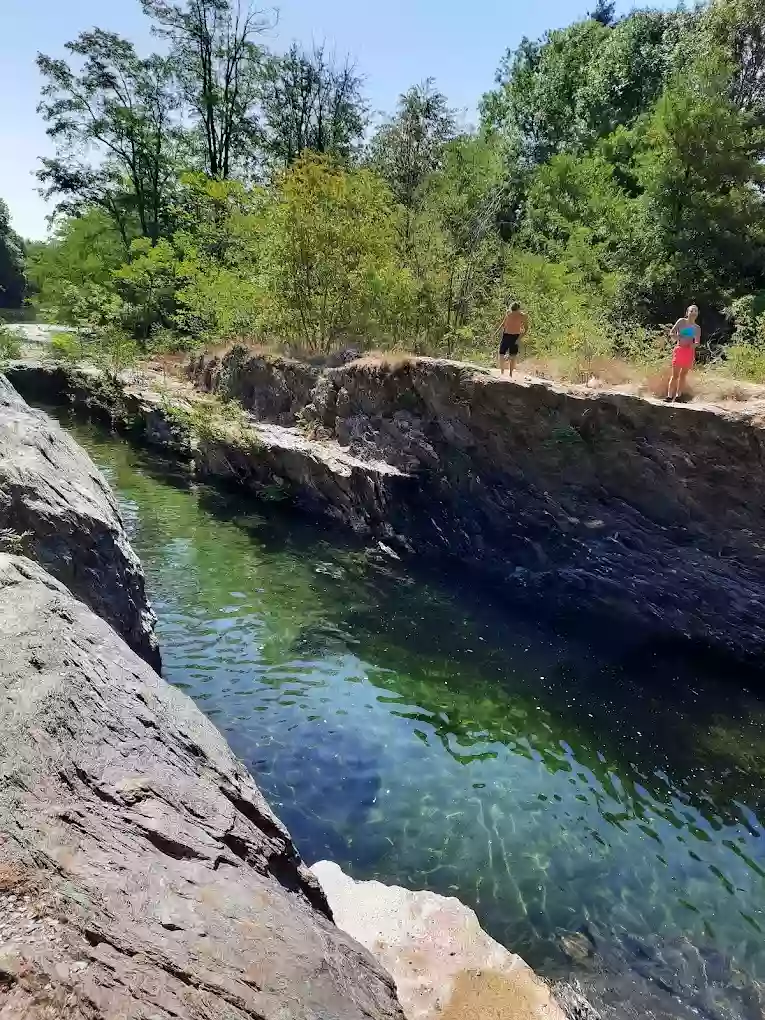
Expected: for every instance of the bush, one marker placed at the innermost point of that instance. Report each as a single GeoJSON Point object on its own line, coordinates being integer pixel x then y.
{"type": "Point", "coordinates": [746, 360]}
{"type": "Point", "coordinates": [10, 343]}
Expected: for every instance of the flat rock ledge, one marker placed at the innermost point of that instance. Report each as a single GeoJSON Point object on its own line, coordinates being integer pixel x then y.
{"type": "Point", "coordinates": [444, 965]}
{"type": "Point", "coordinates": [56, 507]}
{"type": "Point", "coordinates": [142, 874]}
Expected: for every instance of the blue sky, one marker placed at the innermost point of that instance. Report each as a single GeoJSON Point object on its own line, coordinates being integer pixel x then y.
{"type": "Point", "coordinates": [395, 44]}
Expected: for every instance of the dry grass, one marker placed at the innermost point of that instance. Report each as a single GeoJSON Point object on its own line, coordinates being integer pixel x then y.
{"type": "Point", "coordinates": [706, 384]}
{"type": "Point", "coordinates": [384, 361]}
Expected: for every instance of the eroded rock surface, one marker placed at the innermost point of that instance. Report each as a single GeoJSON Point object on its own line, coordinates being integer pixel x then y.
{"type": "Point", "coordinates": [142, 874]}
{"type": "Point", "coordinates": [653, 515]}
{"type": "Point", "coordinates": [649, 515]}
{"type": "Point", "coordinates": [274, 389]}
{"type": "Point", "coordinates": [55, 506]}
{"type": "Point", "coordinates": [444, 965]}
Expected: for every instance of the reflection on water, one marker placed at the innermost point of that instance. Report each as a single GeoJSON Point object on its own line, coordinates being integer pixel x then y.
{"type": "Point", "coordinates": [432, 739]}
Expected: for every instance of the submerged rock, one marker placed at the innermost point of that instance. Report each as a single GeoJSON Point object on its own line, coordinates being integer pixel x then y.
{"type": "Point", "coordinates": [142, 874]}
{"type": "Point", "coordinates": [444, 965]}
{"type": "Point", "coordinates": [56, 507]}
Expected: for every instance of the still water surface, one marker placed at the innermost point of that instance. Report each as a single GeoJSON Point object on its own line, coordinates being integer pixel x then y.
{"type": "Point", "coordinates": [416, 732]}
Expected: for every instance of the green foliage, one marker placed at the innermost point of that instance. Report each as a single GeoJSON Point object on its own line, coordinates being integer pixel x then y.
{"type": "Point", "coordinates": [215, 63]}
{"type": "Point", "coordinates": [112, 120]}
{"type": "Point", "coordinates": [327, 265]}
{"type": "Point", "coordinates": [309, 102]}
{"type": "Point", "coordinates": [616, 177]}
{"type": "Point", "coordinates": [580, 83]}
{"type": "Point", "coordinates": [409, 147]}
{"type": "Point", "coordinates": [746, 360]}
{"type": "Point", "coordinates": [84, 251]}
{"type": "Point", "coordinates": [148, 284]}
{"type": "Point", "coordinates": [68, 346]}
{"type": "Point", "coordinates": [10, 343]}
{"type": "Point", "coordinates": [12, 283]}
{"type": "Point", "coordinates": [702, 209]}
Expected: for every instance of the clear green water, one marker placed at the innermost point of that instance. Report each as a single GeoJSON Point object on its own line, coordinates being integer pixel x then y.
{"type": "Point", "coordinates": [416, 732]}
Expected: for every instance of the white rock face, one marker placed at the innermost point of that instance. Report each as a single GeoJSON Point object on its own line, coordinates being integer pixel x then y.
{"type": "Point", "coordinates": [444, 964]}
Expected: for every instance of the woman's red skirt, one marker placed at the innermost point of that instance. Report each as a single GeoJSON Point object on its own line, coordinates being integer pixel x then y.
{"type": "Point", "coordinates": [683, 356]}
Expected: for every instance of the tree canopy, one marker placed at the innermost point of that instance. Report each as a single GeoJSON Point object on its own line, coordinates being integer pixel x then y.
{"type": "Point", "coordinates": [216, 187]}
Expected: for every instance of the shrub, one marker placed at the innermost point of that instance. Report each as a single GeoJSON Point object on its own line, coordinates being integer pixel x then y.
{"type": "Point", "coordinates": [10, 343]}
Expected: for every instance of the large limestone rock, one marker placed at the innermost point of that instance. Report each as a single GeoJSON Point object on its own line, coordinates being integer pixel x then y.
{"type": "Point", "coordinates": [56, 506]}
{"type": "Point", "coordinates": [444, 965]}
{"type": "Point", "coordinates": [142, 875]}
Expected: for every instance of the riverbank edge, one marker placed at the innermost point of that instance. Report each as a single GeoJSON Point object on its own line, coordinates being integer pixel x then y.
{"type": "Point", "coordinates": [594, 556]}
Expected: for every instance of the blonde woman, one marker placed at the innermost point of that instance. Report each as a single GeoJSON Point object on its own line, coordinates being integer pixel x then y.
{"type": "Point", "coordinates": [687, 335]}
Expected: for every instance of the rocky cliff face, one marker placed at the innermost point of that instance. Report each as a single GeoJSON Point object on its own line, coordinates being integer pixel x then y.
{"type": "Point", "coordinates": [652, 514]}
{"type": "Point", "coordinates": [142, 875]}
{"type": "Point", "coordinates": [56, 507]}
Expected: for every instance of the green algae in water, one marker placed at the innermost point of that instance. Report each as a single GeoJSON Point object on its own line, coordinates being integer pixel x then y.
{"type": "Point", "coordinates": [420, 735]}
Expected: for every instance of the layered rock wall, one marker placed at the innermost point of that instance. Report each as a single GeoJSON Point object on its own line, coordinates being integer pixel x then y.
{"type": "Point", "coordinates": [623, 505]}
{"type": "Point", "coordinates": [56, 507]}
{"type": "Point", "coordinates": [653, 516]}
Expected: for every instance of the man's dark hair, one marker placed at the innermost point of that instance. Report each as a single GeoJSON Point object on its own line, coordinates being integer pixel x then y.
{"type": "Point", "coordinates": [515, 306]}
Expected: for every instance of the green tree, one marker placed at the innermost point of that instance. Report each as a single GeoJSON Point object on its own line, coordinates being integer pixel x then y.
{"type": "Point", "coordinates": [83, 251]}
{"type": "Point", "coordinates": [217, 63]}
{"type": "Point", "coordinates": [702, 211]}
{"type": "Point", "coordinates": [309, 102]}
{"type": "Point", "coordinates": [114, 126]}
{"type": "Point", "coordinates": [12, 283]}
{"type": "Point", "coordinates": [462, 201]}
{"type": "Point", "coordinates": [604, 12]}
{"type": "Point", "coordinates": [409, 147]}
{"type": "Point", "coordinates": [329, 254]}
{"type": "Point", "coordinates": [578, 84]}
{"type": "Point", "coordinates": [737, 27]}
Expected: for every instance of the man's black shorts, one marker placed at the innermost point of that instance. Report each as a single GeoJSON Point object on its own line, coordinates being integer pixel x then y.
{"type": "Point", "coordinates": [509, 346]}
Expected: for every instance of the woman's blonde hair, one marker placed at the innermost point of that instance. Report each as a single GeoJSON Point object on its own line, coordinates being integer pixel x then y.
{"type": "Point", "coordinates": [691, 310]}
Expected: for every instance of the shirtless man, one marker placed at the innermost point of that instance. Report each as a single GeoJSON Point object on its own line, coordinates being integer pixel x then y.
{"type": "Point", "coordinates": [514, 325]}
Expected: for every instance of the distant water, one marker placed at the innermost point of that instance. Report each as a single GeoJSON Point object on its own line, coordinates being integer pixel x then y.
{"type": "Point", "coordinates": [419, 733]}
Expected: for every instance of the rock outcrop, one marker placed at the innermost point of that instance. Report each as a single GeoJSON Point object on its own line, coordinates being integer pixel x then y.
{"type": "Point", "coordinates": [275, 389]}
{"type": "Point", "coordinates": [56, 507]}
{"type": "Point", "coordinates": [650, 515]}
{"type": "Point", "coordinates": [444, 965]}
{"type": "Point", "coordinates": [142, 874]}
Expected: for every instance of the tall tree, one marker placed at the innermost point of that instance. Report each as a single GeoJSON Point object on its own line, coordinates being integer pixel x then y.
{"type": "Point", "coordinates": [702, 173]}
{"type": "Point", "coordinates": [410, 145]}
{"type": "Point", "coordinates": [738, 27]}
{"type": "Point", "coordinates": [309, 102]}
{"type": "Point", "coordinates": [579, 84]}
{"type": "Point", "coordinates": [604, 12]}
{"type": "Point", "coordinates": [113, 124]}
{"type": "Point", "coordinates": [217, 62]}
{"type": "Point", "coordinates": [11, 262]}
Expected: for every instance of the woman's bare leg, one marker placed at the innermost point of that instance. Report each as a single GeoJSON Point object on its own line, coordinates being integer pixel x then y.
{"type": "Point", "coordinates": [681, 381]}
{"type": "Point", "coordinates": [674, 383]}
